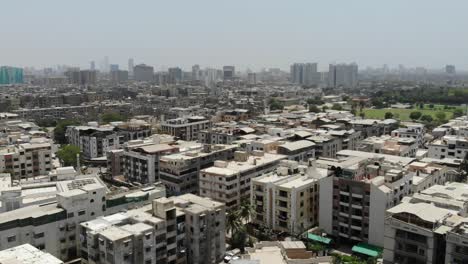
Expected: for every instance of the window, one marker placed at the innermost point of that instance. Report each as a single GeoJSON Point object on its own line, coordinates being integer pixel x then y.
{"type": "Point", "coordinates": [91, 201]}
{"type": "Point", "coordinates": [11, 239]}
{"type": "Point", "coordinates": [82, 212]}
{"type": "Point", "coordinates": [70, 215]}
{"type": "Point", "coordinates": [39, 235]}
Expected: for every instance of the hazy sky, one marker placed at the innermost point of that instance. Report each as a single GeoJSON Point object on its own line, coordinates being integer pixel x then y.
{"type": "Point", "coordinates": [244, 33]}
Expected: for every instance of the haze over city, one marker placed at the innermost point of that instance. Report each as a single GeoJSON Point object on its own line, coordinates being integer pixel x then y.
{"type": "Point", "coordinates": [248, 34]}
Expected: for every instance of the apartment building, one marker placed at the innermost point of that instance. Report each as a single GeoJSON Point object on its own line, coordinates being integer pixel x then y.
{"type": "Point", "coordinates": [287, 199]}
{"type": "Point", "coordinates": [180, 171]}
{"type": "Point", "coordinates": [451, 147]}
{"type": "Point", "coordinates": [186, 128]}
{"type": "Point", "coordinates": [429, 227]}
{"type": "Point", "coordinates": [373, 127]}
{"type": "Point", "coordinates": [326, 145]}
{"type": "Point", "coordinates": [415, 131]}
{"type": "Point", "coordinates": [27, 160]}
{"type": "Point", "coordinates": [301, 150]}
{"type": "Point", "coordinates": [354, 199]}
{"type": "Point", "coordinates": [46, 215]}
{"type": "Point", "coordinates": [385, 144]}
{"type": "Point", "coordinates": [94, 142]}
{"type": "Point", "coordinates": [183, 229]}
{"type": "Point", "coordinates": [140, 162]}
{"type": "Point", "coordinates": [26, 254]}
{"type": "Point", "coordinates": [223, 135]}
{"type": "Point", "coordinates": [229, 181]}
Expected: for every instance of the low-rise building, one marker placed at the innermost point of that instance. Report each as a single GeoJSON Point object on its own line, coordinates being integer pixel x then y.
{"type": "Point", "coordinates": [301, 150]}
{"type": "Point", "coordinates": [415, 131]}
{"type": "Point", "coordinates": [229, 181]}
{"type": "Point", "coordinates": [27, 160]}
{"type": "Point", "coordinates": [398, 146]}
{"type": "Point", "coordinates": [186, 128]}
{"type": "Point", "coordinates": [452, 147]}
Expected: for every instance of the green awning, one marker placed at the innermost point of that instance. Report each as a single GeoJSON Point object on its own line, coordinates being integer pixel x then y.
{"type": "Point", "coordinates": [320, 239]}
{"type": "Point", "coordinates": [366, 249]}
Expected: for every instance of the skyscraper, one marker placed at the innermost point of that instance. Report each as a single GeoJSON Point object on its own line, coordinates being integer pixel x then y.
{"type": "Point", "coordinates": [11, 75]}
{"type": "Point", "coordinates": [175, 74]}
{"type": "Point", "coordinates": [229, 72]}
{"type": "Point", "coordinates": [105, 64]}
{"type": "Point", "coordinates": [345, 75]}
{"type": "Point", "coordinates": [450, 69]}
{"type": "Point", "coordinates": [143, 73]}
{"type": "Point", "coordinates": [114, 67]}
{"type": "Point", "coordinates": [305, 74]}
{"type": "Point", "coordinates": [92, 65]}
{"type": "Point", "coordinates": [196, 72]}
{"type": "Point", "coordinates": [130, 67]}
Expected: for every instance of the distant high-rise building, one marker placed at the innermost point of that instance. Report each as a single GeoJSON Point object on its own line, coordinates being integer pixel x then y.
{"type": "Point", "coordinates": [252, 78]}
{"type": "Point", "coordinates": [84, 77]}
{"type": "Point", "coordinates": [92, 65]}
{"type": "Point", "coordinates": [450, 69]}
{"type": "Point", "coordinates": [105, 64]}
{"type": "Point", "coordinates": [196, 72]}
{"type": "Point", "coordinates": [345, 75]}
{"type": "Point", "coordinates": [305, 74]}
{"type": "Point", "coordinates": [229, 72]}
{"type": "Point", "coordinates": [130, 66]}
{"type": "Point", "coordinates": [175, 74]}
{"type": "Point", "coordinates": [143, 73]}
{"type": "Point", "coordinates": [114, 67]}
{"type": "Point", "coordinates": [11, 75]}
{"type": "Point", "coordinates": [119, 76]}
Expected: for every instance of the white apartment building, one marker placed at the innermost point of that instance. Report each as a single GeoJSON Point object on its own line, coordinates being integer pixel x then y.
{"type": "Point", "coordinates": [94, 142]}
{"type": "Point", "coordinates": [50, 224]}
{"type": "Point", "coordinates": [27, 160]}
{"type": "Point", "coordinates": [27, 254]}
{"type": "Point", "coordinates": [415, 131]}
{"type": "Point", "coordinates": [229, 181]}
{"type": "Point", "coordinates": [452, 147]}
{"type": "Point", "coordinates": [354, 199]}
{"type": "Point", "coordinates": [301, 150]}
{"type": "Point", "coordinates": [140, 162]}
{"type": "Point", "coordinates": [288, 199]}
{"type": "Point", "coordinates": [183, 229]}
{"type": "Point", "coordinates": [180, 171]}
{"type": "Point", "coordinates": [186, 128]}
{"type": "Point", "coordinates": [429, 227]}
{"type": "Point", "coordinates": [385, 144]}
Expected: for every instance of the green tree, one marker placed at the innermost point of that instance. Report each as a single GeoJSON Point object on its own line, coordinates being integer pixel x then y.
{"type": "Point", "coordinates": [112, 117]}
{"type": "Point", "coordinates": [457, 112]}
{"type": "Point", "coordinates": [233, 222]}
{"type": "Point", "coordinates": [275, 104]}
{"type": "Point", "coordinates": [245, 210]}
{"type": "Point", "coordinates": [337, 107]}
{"type": "Point", "coordinates": [67, 155]}
{"type": "Point", "coordinates": [324, 108]}
{"type": "Point", "coordinates": [362, 114]}
{"type": "Point", "coordinates": [239, 239]}
{"type": "Point", "coordinates": [427, 118]}
{"type": "Point", "coordinates": [314, 109]}
{"type": "Point", "coordinates": [388, 115]}
{"type": "Point", "coordinates": [61, 128]}
{"type": "Point", "coordinates": [441, 116]}
{"type": "Point", "coordinates": [415, 115]}
{"type": "Point", "coordinates": [431, 106]}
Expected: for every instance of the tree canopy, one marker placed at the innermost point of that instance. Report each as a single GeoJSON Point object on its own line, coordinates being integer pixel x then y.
{"type": "Point", "coordinates": [60, 129]}
{"type": "Point", "coordinates": [68, 154]}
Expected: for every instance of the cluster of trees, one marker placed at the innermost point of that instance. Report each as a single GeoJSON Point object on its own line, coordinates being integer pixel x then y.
{"type": "Point", "coordinates": [67, 154]}
{"type": "Point", "coordinates": [426, 93]}
{"type": "Point", "coordinates": [275, 104]}
{"type": "Point", "coordinates": [61, 128]}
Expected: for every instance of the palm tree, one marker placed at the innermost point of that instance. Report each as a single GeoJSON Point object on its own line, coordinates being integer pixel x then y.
{"type": "Point", "coordinates": [245, 210]}
{"type": "Point", "coordinates": [233, 222]}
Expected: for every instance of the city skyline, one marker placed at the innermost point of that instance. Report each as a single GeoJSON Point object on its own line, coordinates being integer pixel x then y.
{"type": "Point", "coordinates": [247, 35]}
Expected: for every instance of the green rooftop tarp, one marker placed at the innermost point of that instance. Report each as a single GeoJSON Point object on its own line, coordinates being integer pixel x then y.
{"type": "Point", "coordinates": [366, 249]}
{"type": "Point", "coordinates": [320, 239]}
